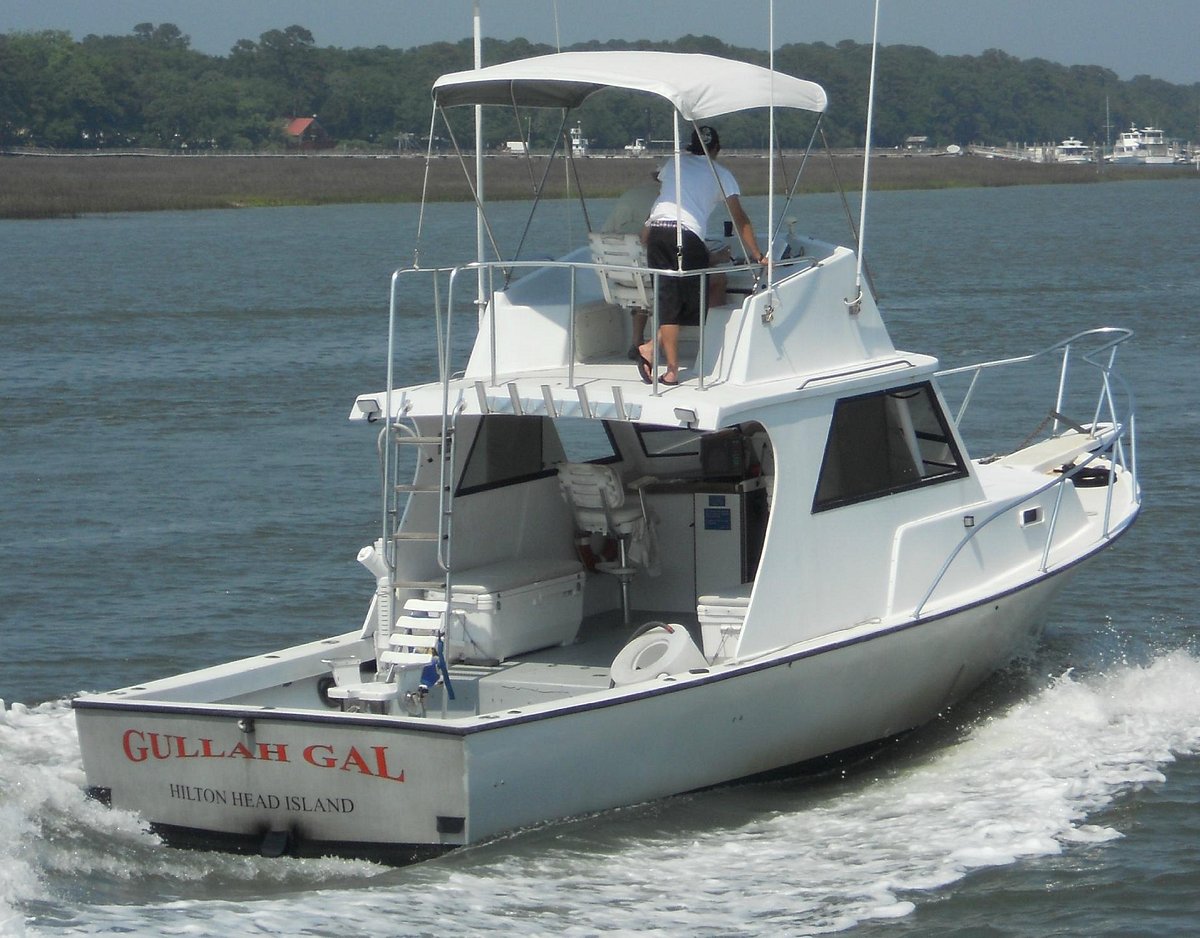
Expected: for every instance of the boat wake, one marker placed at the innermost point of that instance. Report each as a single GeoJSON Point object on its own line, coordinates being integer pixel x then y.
{"type": "Point", "coordinates": [1030, 779]}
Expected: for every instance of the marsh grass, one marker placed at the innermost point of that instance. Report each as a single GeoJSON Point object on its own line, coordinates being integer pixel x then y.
{"type": "Point", "coordinates": [63, 186]}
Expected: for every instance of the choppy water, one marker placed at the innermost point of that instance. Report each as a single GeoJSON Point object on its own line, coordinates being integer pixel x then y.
{"type": "Point", "coordinates": [179, 486]}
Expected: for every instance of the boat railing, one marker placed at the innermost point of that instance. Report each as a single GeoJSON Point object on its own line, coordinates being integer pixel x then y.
{"type": "Point", "coordinates": [447, 296]}
{"type": "Point", "coordinates": [1114, 428]}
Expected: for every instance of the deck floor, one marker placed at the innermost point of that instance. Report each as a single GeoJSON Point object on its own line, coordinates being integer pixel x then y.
{"type": "Point", "coordinates": [558, 672]}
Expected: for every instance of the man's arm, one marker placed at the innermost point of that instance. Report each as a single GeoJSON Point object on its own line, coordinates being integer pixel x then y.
{"type": "Point", "coordinates": [745, 228]}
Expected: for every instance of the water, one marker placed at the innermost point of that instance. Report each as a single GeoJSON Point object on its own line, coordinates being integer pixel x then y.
{"type": "Point", "coordinates": [179, 486]}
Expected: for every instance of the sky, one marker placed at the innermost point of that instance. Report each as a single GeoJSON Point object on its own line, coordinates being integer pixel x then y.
{"type": "Point", "coordinates": [1160, 38]}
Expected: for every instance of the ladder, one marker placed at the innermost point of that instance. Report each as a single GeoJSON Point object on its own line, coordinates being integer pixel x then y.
{"type": "Point", "coordinates": [418, 635]}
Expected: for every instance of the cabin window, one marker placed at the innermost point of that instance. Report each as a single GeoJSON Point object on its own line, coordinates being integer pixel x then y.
{"type": "Point", "coordinates": [886, 442]}
{"type": "Point", "coordinates": [508, 449]}
{"type": "Point", "coordinates": [669, 441]}
{"type": "Point", "coordinates": [586, 440]}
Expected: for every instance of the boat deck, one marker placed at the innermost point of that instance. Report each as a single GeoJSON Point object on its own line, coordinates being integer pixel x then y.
{"type": "Point", "coordinates": [553, 673]}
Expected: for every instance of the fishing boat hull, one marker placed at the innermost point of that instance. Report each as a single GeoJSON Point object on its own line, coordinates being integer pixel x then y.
{"type": "Point", "coordinates": [401, 789]}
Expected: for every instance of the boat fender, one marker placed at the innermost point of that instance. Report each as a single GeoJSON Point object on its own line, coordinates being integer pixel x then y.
{"type": "Point", "coordinates": [655, 650]}
{"type": "Point", "coordinates": [1089, 477]}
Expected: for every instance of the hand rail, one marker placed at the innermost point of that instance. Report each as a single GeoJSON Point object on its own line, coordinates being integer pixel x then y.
{"type": "Point", "coordinates": [1114, 451]}
{"type": "Point", "coordinates": [444, 313]}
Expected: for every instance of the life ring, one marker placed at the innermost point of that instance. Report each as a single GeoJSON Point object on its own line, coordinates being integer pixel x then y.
{"type": "Point", "coordinates": [655, 650]}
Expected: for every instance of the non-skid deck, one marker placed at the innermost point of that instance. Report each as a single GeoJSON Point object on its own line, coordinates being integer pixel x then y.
{"type": "Point", "coordinates": [551, 674]}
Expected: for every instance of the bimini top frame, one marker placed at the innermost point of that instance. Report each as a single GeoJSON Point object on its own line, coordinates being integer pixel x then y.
{"type": "Point", "coordinates": [699, 86]}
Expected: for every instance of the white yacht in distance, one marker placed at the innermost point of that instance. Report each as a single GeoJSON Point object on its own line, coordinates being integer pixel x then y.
{"type": "Point", "coordinates": [1072, 151]}
{"type": "Point", "coordinates": [588, 591]}
{"type": "Point", "coordinates": [1145, 146]}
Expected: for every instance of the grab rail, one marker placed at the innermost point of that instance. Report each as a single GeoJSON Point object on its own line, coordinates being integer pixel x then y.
{"type": "Point", "coordinates": [443, 313]}
{"type": "Point", "coordinates": [1115, 450]}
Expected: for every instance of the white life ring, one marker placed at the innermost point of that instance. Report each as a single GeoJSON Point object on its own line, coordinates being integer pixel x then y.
{"type": "Point", "coordinates": [655, 650]}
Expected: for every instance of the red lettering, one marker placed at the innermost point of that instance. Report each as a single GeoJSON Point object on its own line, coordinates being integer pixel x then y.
{"type": "Point", "coordinates": [326, 762]}
{"type": "Point", "coordinates": [154, 747]}
{"type": "Point", "coordinates": [134, 754]}
{"type": "Point", "coordinates": [241, 751]}
{"type": "Point", "coordinates": [207, 752]}
{"type": "Point", "coordinates": [272, 752]}
{"type": "Point", "coordinates": [355, 758]}
{"type": "Point", "coordinates": [382, 766]}
{"type": "Point", "coordinates": [181, 748]}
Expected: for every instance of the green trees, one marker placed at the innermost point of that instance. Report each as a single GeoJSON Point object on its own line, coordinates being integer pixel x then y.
{"type": "Point", "coordinates": [151, 89]}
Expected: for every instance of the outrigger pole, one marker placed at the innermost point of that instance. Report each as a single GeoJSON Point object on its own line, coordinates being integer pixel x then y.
{"type": "Point", "coordinates": [855, 304]}
{"type": "Point", "coordinates": [771, 148]}
{"type": "Point", "coordinates": [481, 295]}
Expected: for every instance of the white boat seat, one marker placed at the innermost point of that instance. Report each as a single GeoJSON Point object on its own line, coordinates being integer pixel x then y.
{"type": "Point", "coordinates": [625, 288]}
{"type": "Point", "coordinates": [598, 500]}
{"type": "Point", "coordinates": [722, 618]}
{"type": "Point", "coordinates": [507, 575]}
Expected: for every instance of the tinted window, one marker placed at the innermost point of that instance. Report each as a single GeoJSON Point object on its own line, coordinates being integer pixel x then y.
{"type": "Point", "coordinates": [883, 443]}
{"type": "Point", "coordinates": [585, 440]}
{"type": "Point", "coordinates": [669, 441]}
{"type": "Point", "coordinates": [508, 449]}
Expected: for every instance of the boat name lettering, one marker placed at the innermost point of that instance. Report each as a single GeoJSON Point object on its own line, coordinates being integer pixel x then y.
{"type": "Point", "coordinates": [306, 804]}
{"type": "Point", "coordinates": [141, 746]}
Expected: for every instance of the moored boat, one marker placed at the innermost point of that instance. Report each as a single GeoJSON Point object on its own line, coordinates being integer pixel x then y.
{"type": "Point", "coordinates": [1145, 146]}
{"type": "Point", "coordinates": [1072, 151]}
{"type": "Point", "coordinates": [590, 591]}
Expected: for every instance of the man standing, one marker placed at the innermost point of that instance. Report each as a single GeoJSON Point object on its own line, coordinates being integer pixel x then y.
{"type": "Point", "coordinates": [703, 185]}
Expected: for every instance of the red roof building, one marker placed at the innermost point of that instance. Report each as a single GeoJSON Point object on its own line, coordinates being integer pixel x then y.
{"type": "Point", "coordinates": [304, 133]}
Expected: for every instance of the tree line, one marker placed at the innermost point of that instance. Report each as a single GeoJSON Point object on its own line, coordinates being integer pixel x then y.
{"type": "Point", "coordinates": [151, 89]}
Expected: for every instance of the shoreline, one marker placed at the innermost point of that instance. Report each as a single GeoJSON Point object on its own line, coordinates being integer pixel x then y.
{"type": "Point", "coordinates": [67, 186]}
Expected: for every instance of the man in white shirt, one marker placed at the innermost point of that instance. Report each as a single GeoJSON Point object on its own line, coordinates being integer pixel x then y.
{"type": "Point", "coordinates": [703, 185]}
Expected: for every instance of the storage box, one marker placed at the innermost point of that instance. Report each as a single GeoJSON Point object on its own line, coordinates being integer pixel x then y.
{"type": "Point", "coordinates": [512, 607]}
{"type": "Point", "coordinates": [722, 616]}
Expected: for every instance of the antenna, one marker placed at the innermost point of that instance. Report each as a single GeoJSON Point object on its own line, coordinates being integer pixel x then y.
{"type": "Point", "coordinates": [856, 303]}
{"type": "Point", "coordinates": [481, 295]}
{"type": "Point", "coordinates": [771, 146]}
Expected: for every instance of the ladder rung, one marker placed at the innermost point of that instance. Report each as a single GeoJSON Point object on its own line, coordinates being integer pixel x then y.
{"type": "Point", "coordinates": [418, 487]}
{"type": "Point", "coordinates": [401, 639]}
{"type": "Point", "coordinates": [416, 536]}
{"type": "Point", "coordinates": [406, 658]}
{"type": "Point", "coordinates": [428, 605]}
{"type": "Point", "coordinates": [419, 584]}
{"type": "Point", "coordinates": [418, 626]}
{"type": "Point", "coordinates": [419, 440]}
{"type": "Point", "coordinates": [416, 648]}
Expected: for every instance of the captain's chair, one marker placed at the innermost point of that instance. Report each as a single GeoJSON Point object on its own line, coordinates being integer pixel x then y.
{"type": "Point", "coordinates": [598, 500]}
{"type": "Point", "coordinates": [625, 288]}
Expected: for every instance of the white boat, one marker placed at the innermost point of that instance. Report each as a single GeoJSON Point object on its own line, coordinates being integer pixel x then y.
{"type": "Point", "coordinates": [1072, 151]}
{"type": "Point", "coordinates": [803, 558]}
{"type": "Point", "coordinates": [1144, 145]}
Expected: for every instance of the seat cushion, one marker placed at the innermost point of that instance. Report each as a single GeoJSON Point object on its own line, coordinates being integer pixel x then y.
{"type": "Point", "coordinates": [511, 574]}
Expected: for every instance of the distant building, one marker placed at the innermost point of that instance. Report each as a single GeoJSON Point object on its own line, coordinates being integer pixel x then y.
{"type": "Point", "coordinates": [917, 144]}
{"type": "Point", "coordinates": [304, 133]}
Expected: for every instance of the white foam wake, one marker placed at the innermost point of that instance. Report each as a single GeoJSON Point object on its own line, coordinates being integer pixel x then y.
{"type": "Point", "coordinates": [778, 859]}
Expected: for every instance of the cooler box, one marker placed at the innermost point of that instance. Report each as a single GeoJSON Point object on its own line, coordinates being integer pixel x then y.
{"type": "Point", "coordinates": [722, 616]}
{"type": "Point", "coordinates": [512, 607]}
